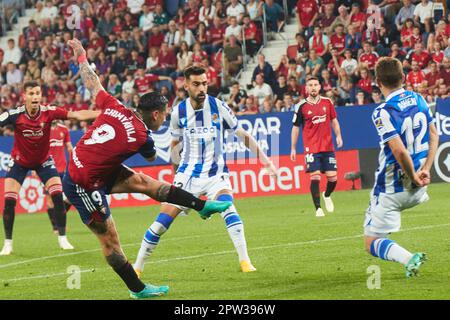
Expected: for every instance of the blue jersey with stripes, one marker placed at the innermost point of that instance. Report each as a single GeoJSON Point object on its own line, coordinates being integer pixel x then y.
{"type": "Point", "coordinates": [405, 114]}
{"type": "Point", "coordinates": [202, 134]}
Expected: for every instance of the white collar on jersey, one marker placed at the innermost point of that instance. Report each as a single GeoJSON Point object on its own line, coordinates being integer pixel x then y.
{"type": "Point", "coordinates": [395, 93]}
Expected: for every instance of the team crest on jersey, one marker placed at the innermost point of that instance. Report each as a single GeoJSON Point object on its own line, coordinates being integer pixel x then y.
{"type": "Point", "coordinates": [324, 109]}
{"type": "Point", "coordinates": [183, 122]}
{"type": "Point", "coordinates": [214, 117]}
{"type": "Point", "coordinates": [42, 124]}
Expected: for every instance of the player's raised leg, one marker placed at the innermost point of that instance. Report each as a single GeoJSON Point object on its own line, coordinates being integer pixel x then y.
{"type": "Point", "coordinates": [235, 229]}
{"type": "Point", "coordinates": [12, 188]}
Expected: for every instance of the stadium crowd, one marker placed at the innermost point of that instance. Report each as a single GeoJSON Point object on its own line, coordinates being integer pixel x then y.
{"type": "Point", "coordinates": [142, 45]}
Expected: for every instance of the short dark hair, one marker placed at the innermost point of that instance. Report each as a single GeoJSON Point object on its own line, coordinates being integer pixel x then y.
{"type": "Point", "coordinates": [389, 71]}
{"type": "Point", "coordinates": [312, 78]}
{"type": "Point", "coordinates": [152, 101]}
{"type": "Point", "coordinates": [193, 70]}
{"type": "Point", "coordinates": [30, 84]}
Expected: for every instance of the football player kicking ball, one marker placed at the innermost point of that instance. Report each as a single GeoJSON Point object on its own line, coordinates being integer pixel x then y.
{"type": "Point", "coordinates": [408, 141]}
{"type": "Point", "coordinates": [96, 170]}
{"type": "Point", "coordinates": [200, 121]}
{"type": "Point", "coordinates": [32, 123]}
{"type": "Point", "coordinates": [316, 114]}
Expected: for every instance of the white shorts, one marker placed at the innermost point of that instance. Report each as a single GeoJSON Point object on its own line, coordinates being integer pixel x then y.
{"type": "Point", "coordinates": [383, 215]}
{"type": "Point", "coordinates": [208, 187]}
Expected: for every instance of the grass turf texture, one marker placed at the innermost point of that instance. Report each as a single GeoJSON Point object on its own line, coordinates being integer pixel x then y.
{"type": "Point", "coordinates": [298, 256]}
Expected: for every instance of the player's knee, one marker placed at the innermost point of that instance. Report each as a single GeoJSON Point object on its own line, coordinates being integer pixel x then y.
{"type": "Point", "coordinates": [55, 190]}
{"type": "Point", "coordinates": [10, 201]}
{"type": "Point", "coordinates": [332, 178]}
{"type": "Point", "coordinates": [315, 177]}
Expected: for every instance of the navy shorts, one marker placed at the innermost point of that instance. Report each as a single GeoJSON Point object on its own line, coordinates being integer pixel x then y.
{"type": "Point", "coordinates": [45, 171]}
{"type": "Point", "coordinates": [92, 205]}
{"type": "Point", "coordinates": [323, 161]}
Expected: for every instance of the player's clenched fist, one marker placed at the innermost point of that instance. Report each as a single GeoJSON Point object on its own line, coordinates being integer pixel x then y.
{"type": "Point", "coordinates": [77, 47]}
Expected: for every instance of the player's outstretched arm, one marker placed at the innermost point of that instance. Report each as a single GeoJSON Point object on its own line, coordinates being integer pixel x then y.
{"type": "Point", "coordinates": [251, 144]}
{"type": "Point", "coordinates": [83, 115]}
{"type": "Point", "coordinates": [403, 157]}
{"type": "Point", "coordinates": [90, 78]}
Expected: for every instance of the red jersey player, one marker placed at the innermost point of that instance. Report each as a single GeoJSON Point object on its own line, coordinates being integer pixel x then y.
{"type": "Point", "coordinates": [316, 114]}
{"type": "Point", "coordinates": [96, 170]}
{"type": "Point", "coordinates": [59, 142]}
{"type": "Point", "coordinates": [32, 123]}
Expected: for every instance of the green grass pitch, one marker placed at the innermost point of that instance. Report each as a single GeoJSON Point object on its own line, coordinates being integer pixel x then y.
{"type": "Point", "coordinates": [298, 256]}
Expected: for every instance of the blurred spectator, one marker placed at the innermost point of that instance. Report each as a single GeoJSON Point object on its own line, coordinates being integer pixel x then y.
{"type": "Point", "coordinates": [8, 131]}
{"type": "Point", "coordinates": [308, 12]}
{"type": "Point", "coordinates": [337, 39]}
{"type": "Point", "coordinates": [419, 55]}
{"type": "Point", "coordinates": [235, 9]}
{"type": "Point", "coordinates": [50, 11]}
{"type": "Point", "coordinates": [405, 13]}
{"type": "Point", "coordinates": [274, 15]}
{"type": "Point", "coordinates": [237, 97]}
{"type": "Point", "coordinates": [156, 38]}
{"type": "Point", "coordinates": [234, 29]}
{"type": "Point", "coordinates": [315, 64]}
{"type": "Point", "coordinates": [319, 42]}
{"type": "Point", "coordinates": [423, 14]}
{"type": "Point", "coordinates": [266, 69]}
{"type": "Point", "coordinates": [294, 89]}
{"type": "Point", "coordinates": [216, 35]}
{"type": "Point", "coordinates": [128, 84]}
{"type": "Point", "coordinates": [213, 78]}
{"type": "Point", "coordinates": [169, 37]}
{"type": "Point", "coordinates": [368, 58]}
{"type": "Point", "coordinates": [147, 19]}
{"type": "Point", "coordinates": [152, 60]}
{"type": "Point", "coordinates": [335, 63]}
{"type": "Point", "coordinates": [288, 104]}
{"type": "Point", "coordinates": [12, 53]}
{"type": "Point", "coordinates": [114, 86]}
{"type": "Point", "coordinates": [33, 71]}
{"type": "Point", "coordinates": [353, 40]}
{"type": "Point", "coordinates": [254, 9]}
{"type": "Point", "coordinates": [192, 15]}
{"type": "Point", "coordinates": [184, 34]}
{"type": "Point", "coordinates": [396, 52]}
{"type": "Point", "coordinates": [197, 53]}
{"type": "Point", "coordinates": [207, 12]}
{"type": "Point", "coordinates": [184, 59]}
{"type": "Point", "coordinates": [433, 79]}
{"type": "Point", "coordinates": [349, 64]}
{"type": "Point", "coordinates": [343, 18]}
{"type": "Point", "coordinates": [120, 63]}
{"type": "Point", "coordinates": [261, 92]}
{"type": "Point", "coordinates": [160, 17]}
{"type": "Point", "coordinates": [376, 96]}
{"type": "Point", "coordinates": [37, 14]}
{"type": "Point", "coordinates": [167, 61]}
{"type": "Point", "coordinates": [105, 25]}
{"type": "Point", "coordinates": [233, 57]}
{"type": "Point", "coordinates": [344, 87]}
{"type": "Point", "coordinates": [250, 35]}
{"type": "Point", "coordinates": [365, 82]}
{"type": "Point", "coordinates": [416, 78]}
{"type": "Point", "coordinates": [32, 51]}
{"type": "Point", "coordinates": [280, 89]}
{"type": "Point", "coordinates": [357, 17]}
{"type": "Point", "coordinates": [360, 98]}
{"type": "Point", "coordinates": [14, 76]}
{"type": "Point", "coordinates": [327, 18]}
{"type": "Point", "coordinates": [135, 6]}
{"type": "Point", "coordinates": [103, 64]}
{"type": "Point", "coordinates": [250, 107]}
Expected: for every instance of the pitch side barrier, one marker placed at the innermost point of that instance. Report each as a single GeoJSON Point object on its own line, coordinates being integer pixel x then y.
{"type": "Point", "coordinates": [273, 133]}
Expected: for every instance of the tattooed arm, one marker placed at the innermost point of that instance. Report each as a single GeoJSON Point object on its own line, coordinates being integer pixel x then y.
{"type": "Point", "coordinates": [90, 78]}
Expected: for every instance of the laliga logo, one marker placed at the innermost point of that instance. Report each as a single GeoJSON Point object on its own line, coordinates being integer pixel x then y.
{"type": "Point", "coordinates": [442, 161]}
{"type": "Point", "coordinates": [32, 195]}
{"type": "Point", "coordinates": [73, 19]}
{"type": "Point", "coordinates": [442, 124]}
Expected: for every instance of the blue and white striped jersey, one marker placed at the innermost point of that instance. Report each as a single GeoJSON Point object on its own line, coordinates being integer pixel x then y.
{"type": "Point", "coordinates": [405, 114]}
{"type": "Point", "coordinates": [202, 136]}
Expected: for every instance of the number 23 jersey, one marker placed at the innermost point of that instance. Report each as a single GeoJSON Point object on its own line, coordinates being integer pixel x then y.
{"type": "Point", "coordinates": [116, 135]}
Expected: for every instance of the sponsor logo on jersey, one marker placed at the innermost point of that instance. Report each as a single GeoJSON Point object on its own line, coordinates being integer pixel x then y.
{"type": "Point", "coordinates": [407, 103]}
{"type": "Point", "coordinates": [319, 119]}
{"type": "Point", "coordinates": [31, 133]}
{"type": "Point", "coordinates": [202, 132]}
{"type": "Point", "coordinates": [215, 118]}
{"type": "Point", "coordinates": [56, 142]}
{"type": "Point", "coordinates": [77, 161]}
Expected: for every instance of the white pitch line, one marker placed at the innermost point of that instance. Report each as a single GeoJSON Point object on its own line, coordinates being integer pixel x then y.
{"type": "Point", "coordinates": [44, 276]}
{"type": "Point", "coordinates": [12, 264]}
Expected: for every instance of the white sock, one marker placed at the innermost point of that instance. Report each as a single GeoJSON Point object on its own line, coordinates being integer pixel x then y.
{"type": "Point", "coordinates": [144, 252]}
{"type": "Point", "coordinates": [399, 254]}
{"type": "Point", "coordinates": [240, 244]}
{"type": "Point", "coordinates": [235, 229]}
{"type": "Point", "coordinates": [8, 242]}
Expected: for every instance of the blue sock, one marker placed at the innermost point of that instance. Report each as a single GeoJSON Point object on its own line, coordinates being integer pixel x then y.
{"type": "Point", "coordinates": [389, 250]}
{"type": "Point", "coordinates": [156, 230]}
